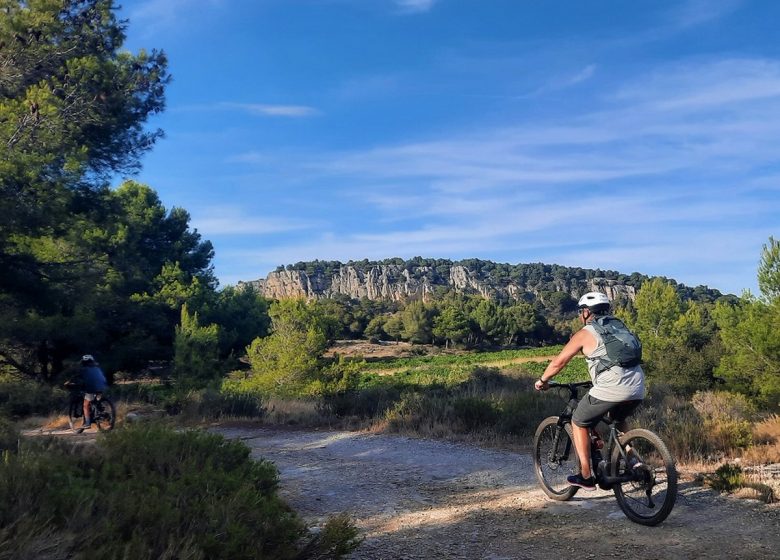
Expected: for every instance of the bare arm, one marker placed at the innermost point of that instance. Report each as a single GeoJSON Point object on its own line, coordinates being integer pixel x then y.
{"type": "Point", "coordinates": [572, 348]}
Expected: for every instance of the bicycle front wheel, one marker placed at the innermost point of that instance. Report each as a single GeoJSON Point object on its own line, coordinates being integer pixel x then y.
{"type": "Point", "coordinates": [555, 459]}
{"type": "Point", "coordinates": [649, 496]}
{"type": "Point", "coordinates": [75, 414]}
{"type": "Point", "coordinates": [105, 414]}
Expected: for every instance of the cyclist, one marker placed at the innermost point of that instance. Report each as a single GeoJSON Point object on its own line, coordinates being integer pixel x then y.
{"type": "Point", "coordinates": [93, 381]}
{"type": "Point", "coordinates": [617, 389]}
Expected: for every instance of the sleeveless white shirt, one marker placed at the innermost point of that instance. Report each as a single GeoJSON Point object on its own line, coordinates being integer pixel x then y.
{"type": "Point", "coordinates": [617, 383]}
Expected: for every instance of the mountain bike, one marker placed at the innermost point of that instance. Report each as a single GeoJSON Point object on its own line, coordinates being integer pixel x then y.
{"type": "Point", "coordinates": [102, 411]}
{"type": "Point", "coordinates": [635, 465]}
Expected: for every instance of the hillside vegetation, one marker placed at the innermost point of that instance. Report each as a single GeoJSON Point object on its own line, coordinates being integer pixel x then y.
{"type": "Point", "coordinates": [87, 268]}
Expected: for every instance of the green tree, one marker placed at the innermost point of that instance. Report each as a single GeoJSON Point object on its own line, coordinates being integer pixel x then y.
{"type": "Point", "coordinates": [452, 325]}
{"type": "Point", "coordinates": [288, 359]}
{"type": "Point", "coordinates": [196, 350]}
{"type": "Point", "coordinates": [242, 316]}
{"type": "Point", "coordinates": [417, 319]}
{"type": "Point", "coordinates": [750, 330]}
{"type": "Point", "coordinates": [680, 347]}
{"type": "Point", "coordinates": [73, 110]}
{"type": "Point", "coordinates": [769, 271]}
{"type": "Point", "coordinates": [394, 326]}
{"type": "Point", "coordinates": [521, 323]}
{"type": "Point", "coordinates": [488, 318]}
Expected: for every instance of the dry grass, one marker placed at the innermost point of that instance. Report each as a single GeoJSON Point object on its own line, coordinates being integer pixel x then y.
{"type": "Point", "coordinates": [766, 449]}
{"type": "Point", "coordinates": [293, 412]}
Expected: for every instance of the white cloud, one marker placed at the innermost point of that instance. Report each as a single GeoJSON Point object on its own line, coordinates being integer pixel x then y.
{"type": "Point", "coordinates": [153, 15]}
{"type": "Point", "coordinates": [697, 12]}
{"type": "Point", "coordinates": [231, 220]}
{"type": "Point", "coordinates": [685, 149]}
{"type": "Point", "coordinates": [415, 6]}
{"type": "Point", "coordinates": [261, 109]}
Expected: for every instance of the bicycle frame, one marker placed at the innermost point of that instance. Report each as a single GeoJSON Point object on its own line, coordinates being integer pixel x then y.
{"type": "Point", "coordinates": [601, 467]}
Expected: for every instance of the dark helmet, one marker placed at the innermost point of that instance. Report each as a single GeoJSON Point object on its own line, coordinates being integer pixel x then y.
{"type": "Point", "coordinates": [87, 359]}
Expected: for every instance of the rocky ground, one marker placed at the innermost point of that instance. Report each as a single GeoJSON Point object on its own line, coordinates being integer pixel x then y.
{"type": "Point", "coordinates": [414, 498]}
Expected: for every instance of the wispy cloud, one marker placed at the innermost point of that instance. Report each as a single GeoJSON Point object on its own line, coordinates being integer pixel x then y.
{"type": "Point", "coordinates": [697, 12]}
{"type": "Point", "coordinates": [261, 109]}
{"type": "Point", "coordinates": [674, 152]}
{"type": "Point", "coordinates": [564, 82]}
{"type": "Point", "coordinates": [415, 6]}
{"type": "Point", "coordinates": [153, 15]}
{"type": "Point", "coordinates": [231, 220]}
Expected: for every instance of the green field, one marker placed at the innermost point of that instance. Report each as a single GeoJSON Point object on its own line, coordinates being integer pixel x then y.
{"type": "Point", "coordinates": [451, 370]}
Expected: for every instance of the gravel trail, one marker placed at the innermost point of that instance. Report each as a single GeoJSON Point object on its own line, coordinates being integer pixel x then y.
{"type": "Point", "coordinates": [415, 498]}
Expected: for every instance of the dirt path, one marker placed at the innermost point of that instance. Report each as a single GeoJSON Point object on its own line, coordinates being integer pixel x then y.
{"type": "Point", "coordinates": [415, 498]}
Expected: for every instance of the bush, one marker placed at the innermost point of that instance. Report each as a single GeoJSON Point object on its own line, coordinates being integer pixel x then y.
{"type": "Point", "coordinates": [214, 404]}
{"type": "Point", "coordinates": [727, 478]}
{"type": "Point", "coordinates": [727, 417]}
{"type": "Point", "coordinates": [9, 436]}
{"type": "Point", "coordinates": [472, 413]}
{"type": "Point", "coordinates": [146, 491]}
{"type": "Point", "coordinates": [21, 398]}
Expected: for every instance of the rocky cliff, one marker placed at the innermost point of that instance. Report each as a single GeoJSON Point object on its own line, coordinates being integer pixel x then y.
{"type": "Point", "coordinates": [403, 282]}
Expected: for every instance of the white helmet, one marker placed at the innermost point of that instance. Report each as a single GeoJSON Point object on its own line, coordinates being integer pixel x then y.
{"type": "Point", "coordinates": [592, 299]}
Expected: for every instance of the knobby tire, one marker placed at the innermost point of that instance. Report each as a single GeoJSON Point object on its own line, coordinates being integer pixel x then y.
{"type": "Point", "coordinates": [657, 477]}
{"type": "Point", "coordinates": [552, 466]}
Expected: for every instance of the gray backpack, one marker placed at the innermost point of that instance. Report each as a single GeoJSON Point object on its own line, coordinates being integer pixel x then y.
{"type": "Point", "coordinates": [623, 347]}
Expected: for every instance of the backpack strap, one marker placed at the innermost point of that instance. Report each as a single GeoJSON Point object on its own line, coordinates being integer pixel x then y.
{"type": "Point", "coordinates": [604, 363]}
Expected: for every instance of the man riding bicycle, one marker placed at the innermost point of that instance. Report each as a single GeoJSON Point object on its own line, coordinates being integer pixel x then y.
{"type": "Point", "coordinates": [617, 389]}
{"type": "Point", "coordinates": [92, 381]}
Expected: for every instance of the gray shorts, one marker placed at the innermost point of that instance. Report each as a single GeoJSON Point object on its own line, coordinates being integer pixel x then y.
{"type": "Point", "coordinates": [590, 411]}
{"type": "Point", "coordinates": [89, 396]}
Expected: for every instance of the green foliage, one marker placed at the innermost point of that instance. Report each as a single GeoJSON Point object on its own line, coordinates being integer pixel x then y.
{"type": "Point", "coordinates": [727, 417]}
{"type": "Point", "coordinates": [286, 360]}
{"type": "Point", "coordinates": [727, 478]}
{"type": "Point", "coordinates": [338, 537]}
{"type": "Point", "coordinates": [9, 436]}
{"type": "Point", "coordinates": [451, 325]}
{"type": "Point", "coordinates": [213, 404]}
{"type": "Point", "coordinates": [24, 397]}
{"type": "Point", "coordinates": [417, 320]}
{"type": "Point", "coordinates": [472, 413]}
{"type": "Point", "coordinates": [769, 271]}
{"type": "Point", "coordinates": [73, 109]}
{"type": "Point", "coordinates": [196, 350]}
{"type": "Point", "coordinates": [147, 492]}
{"type": "Point", "coordinates": [750, 331]}
{"type": "Point", "coordinates": [242, 316]}
{"type": "Point", "coordinates": [680, 347]}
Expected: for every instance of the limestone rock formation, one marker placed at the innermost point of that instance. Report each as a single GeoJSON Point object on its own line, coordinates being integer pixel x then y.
{"type": "Point", "coordinates": [405, 282]}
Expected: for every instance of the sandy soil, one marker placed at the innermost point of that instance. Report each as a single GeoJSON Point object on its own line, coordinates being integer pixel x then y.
{"type": "Point", "coordinates": [414, 498]}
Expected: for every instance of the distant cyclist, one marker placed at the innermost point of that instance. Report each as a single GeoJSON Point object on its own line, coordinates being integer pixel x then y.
{"type": "Point", "coordinates": [92, 381]}
{"type": "Point", "coordinates": [616, 388]}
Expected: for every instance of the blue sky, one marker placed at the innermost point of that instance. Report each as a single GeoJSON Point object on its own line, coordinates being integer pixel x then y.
{"type": "Point", "coordinates": [638, 136]}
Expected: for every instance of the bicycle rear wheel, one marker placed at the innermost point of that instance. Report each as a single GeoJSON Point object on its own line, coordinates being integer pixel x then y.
{"type": "Point", "coordinates": [649, 496]}
{"type": "Point", "coordinates": [105, 414]}
{"type": "Point", "coordinates": [554, 460]}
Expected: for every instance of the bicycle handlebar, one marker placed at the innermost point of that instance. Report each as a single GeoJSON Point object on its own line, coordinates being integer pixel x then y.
{"type": "Point", "coordinates": [570, 385]}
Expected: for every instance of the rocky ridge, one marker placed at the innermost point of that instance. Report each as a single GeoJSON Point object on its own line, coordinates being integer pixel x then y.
{"type": "Point", "coordinates": [396, 282]}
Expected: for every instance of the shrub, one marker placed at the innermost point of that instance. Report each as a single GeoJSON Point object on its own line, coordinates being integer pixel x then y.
{"type": "Point", "coordinates": [472, 413]}
{"type": "Point", "coordinates": [727, 417]}
{"type": "Point", "coordinates": [214, 404]}
{"type": "Point", "coordinates": [145, 491]}
{"type": "Point", "coordinates": [9, 436]}
{"type": "Point", "coordinates": [20, 398]}
{"type": "Point", "coordinates": [727, 478]}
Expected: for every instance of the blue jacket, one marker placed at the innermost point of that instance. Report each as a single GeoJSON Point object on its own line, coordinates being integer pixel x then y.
{"type": "Point", "coordinates": [93, 380]}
